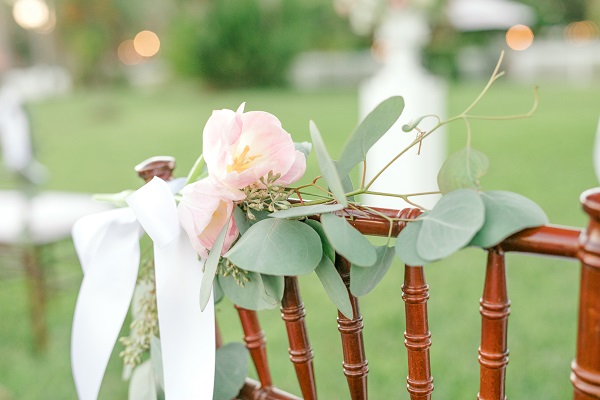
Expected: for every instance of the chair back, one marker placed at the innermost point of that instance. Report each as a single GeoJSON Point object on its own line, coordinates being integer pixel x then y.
{"type": "Point", "coordinates": [556, 241]}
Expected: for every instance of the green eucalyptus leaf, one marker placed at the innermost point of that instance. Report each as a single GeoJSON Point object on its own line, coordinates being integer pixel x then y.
{"type": "Point", "coordinates": [277, 246]}
{"type": "Point", "coordinates": [347, 241]}
{"type": "Point", "coordinates": [116, 199]}
{"type": "Point", "coordinates": [327, 166]}
{"type": "Point", "coordinates": [304, 147]}
{"type": "Point", "coordinates": [506, 213]}
{"type": "Point", "coordinates": [217, 291]}
{"type": "Point", "coordinates": [370, 130]}
{"type": "Point", "coordinates": [253, 296]}
{"type": "Point", "coordinates": [462, 169]}
{"type": "Point", "coordinates": [210, 267]}
{"type": "Point", "coordinates": [244, 223]}
{"type": "Point", "coordinates": [241, 220]}
{"type": "Point", "coordinates": [142, 385]}
{"type": "Point", "coordinates": [197, 170]}
{"type": "Point", "coordinates": [328, 249]}
{"type": "Point", "coordinates": [406, 244]}
{"type": "Point", "coordinates": [451, 224]}
{"type": "Point", "coordinates": [231, 369]}
{"type": "Point", "coordinates": [334, 286]}
{"type": "Point", "coordinates": [274, 286]}
{"type": "Point", "coordinates": [412, 124]}
{"type": "Point", "coordinates": [157, 365]}
{"type": "Point", "coordinates": [304, 211]}
{"type": "Point", "coordinates": [363, 280]}
{"type": "Point", "coordinates": [346, 180]}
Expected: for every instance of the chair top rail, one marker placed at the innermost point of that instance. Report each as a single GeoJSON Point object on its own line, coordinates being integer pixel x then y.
{"type": "Point", "coordinates": [551, 240]}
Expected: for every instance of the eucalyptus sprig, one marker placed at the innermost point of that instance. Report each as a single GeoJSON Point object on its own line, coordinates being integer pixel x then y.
{"type": "Point", "coordinates": [145, 323]}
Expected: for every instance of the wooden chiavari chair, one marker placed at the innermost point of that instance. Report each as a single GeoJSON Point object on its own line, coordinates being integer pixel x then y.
{"type": "Point", "coordinates": [549, 240]}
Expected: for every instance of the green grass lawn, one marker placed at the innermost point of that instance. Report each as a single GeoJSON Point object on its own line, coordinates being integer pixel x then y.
{"type": "Point", "coordinates": [91, 140]}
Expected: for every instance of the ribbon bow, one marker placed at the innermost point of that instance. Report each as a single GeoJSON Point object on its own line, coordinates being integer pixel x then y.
{"type": "Point", "coordinates": [108, 247]}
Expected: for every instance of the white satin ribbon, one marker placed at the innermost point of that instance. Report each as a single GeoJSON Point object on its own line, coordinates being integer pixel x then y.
{"type": "Point", "coordinates": [108, 247]}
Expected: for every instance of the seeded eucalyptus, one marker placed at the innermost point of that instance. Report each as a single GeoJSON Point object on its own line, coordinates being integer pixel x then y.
{"type": "Point", "coordinates": [227, 268]}
{"type": "Point", "coordinates": [268, 196]}
{"type": "Point", "coordinates": [145, 322]}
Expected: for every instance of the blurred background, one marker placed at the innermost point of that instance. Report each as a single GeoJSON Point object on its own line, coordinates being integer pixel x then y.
{"type": "Point", "coordinates": [91, 88]}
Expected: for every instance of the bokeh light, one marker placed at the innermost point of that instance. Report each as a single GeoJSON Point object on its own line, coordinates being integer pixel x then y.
{"type": "Point", "coordinates": [519, 37]}
{"type": "Point", "coordinates": [146, 43]}
{"type": "Point", "coordinates": [581, 32]}
{"type": "Point", "coordinates": [31, 14]}
{"type": "Point", "coordinates": [128, 54]}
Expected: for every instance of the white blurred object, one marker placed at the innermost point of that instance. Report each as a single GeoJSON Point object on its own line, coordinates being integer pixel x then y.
{"type": "Point", "coordinates": [480, 15]}
{"type": "Point", "coordinates": [44, 218]}
{"type": "Point", "coordinates": [401, 36]}
{"type": "Point", "coordinates": [31, 219]}
{"type": "Point", "coordinates": [577, 64]}
{"type": "Point", "coordinates": [38, 82]}
{"type": "Point", "coordinates": [14, 130]}
{"type": "Point", "coordinates": [326, 69]}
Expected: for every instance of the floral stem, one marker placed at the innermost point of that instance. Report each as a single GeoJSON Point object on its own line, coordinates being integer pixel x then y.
{"type": "Point", "coordinates": [196, 170]}
{"type": "Point", "coordinates": [495, 75]}
{"type": "Point", "coordinates": [413, 143]}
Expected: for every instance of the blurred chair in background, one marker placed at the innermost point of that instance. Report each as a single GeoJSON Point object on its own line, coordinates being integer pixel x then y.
{"type": "Point", "coordinates": [31, 218]}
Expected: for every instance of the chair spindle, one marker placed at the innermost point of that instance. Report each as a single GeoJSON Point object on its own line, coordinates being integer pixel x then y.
{"type": "Point", "coordinates": [417, 338]}
{"type": "Point", "coordinates": [37, 297]}
{"type": "Point", "coordinates": [301, 354]}
{"type": "Point", "coordinates": [586, 366]}
{"type": "Point", "coordinates": [356, 366]}
{"type": "Point", "coordinates": [495, 308]}
{"type": "Point", "coordinates": [252, 390]}
{"type": "Point", "coordinates": [256, 344]}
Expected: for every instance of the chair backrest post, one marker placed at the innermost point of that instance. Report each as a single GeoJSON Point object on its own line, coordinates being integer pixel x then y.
{"type": "Point", "coordinates": [495, 308]}
{"type": "Point", "coordinates": [301, 354]}
{"type": "Point", "coordinates": [586, 366]}
{"type": "Point", "coordinates": [417, 338]}
{"type": "Point", "coordinates": [256, 344]}
{"type": "Point", "coordinates": [356, 366]}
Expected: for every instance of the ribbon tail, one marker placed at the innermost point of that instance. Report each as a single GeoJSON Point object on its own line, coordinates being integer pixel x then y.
{"type": "Point", "coordinates": [187, 334]}
{"type": "Point", "coordinates": [108, 247]}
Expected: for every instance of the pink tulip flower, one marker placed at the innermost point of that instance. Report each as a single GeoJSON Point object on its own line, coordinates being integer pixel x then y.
{"type": "Point", "coordinates": [240, 148]}
{"type": "Point", "coordinates": [205, 207]}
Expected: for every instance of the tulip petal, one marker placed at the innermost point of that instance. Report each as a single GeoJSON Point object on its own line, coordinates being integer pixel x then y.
{"type": "Point", "coordinates": [204, 209]}
{"type": "Point", "coordinates": [296, 171]}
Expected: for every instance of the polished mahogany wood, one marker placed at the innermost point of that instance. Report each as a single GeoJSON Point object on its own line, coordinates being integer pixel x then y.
{"type": "Point", "coordinates": [253, 390]}
{"type": "Point", "coordinates": [355, 365]}
{"type": "Point", "coordinates": [301, 354]}
{"type": "Point", "coordinates": [549, 240]}
{"type": "Point", "coordinates": [586, 366]}
{"type": "Point", "coordinates": [256, 344]}
{"type": "Point", "coordinates": [417, 338]}
{"type": "Point", "coordinates": [372, 224]}
{"type": "Point", "coordinates": [495, 308]}
{"type": "Point", "coordinates": [161, 167]}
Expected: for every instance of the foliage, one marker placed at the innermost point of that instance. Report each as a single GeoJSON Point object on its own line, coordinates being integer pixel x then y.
{"type": "Point", "coordinates": [249, 43]}
{"type": "Point", "coordinates": [456, 280]}
{"type": "Point", "coordinates": [239, 43]}
{"type": "Point", "coordinates": [90, 33]}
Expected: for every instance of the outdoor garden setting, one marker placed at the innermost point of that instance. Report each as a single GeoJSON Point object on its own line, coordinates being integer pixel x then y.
{"type": "Point", "coordinates": [91, 136]}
